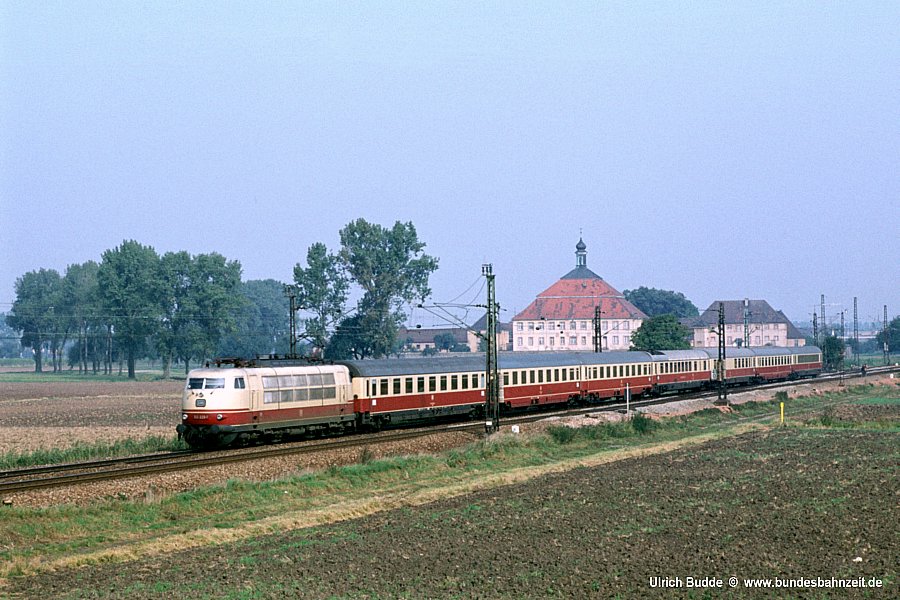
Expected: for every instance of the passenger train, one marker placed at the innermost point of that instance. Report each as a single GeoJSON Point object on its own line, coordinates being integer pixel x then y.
{"type": "Point", "coordinates": [266, 399]}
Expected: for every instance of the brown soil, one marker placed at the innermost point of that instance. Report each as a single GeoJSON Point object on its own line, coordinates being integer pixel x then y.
{"type": "Point", "coordinates": [784, 503]}
{"type": "Point", "coordinates": [60, 414]}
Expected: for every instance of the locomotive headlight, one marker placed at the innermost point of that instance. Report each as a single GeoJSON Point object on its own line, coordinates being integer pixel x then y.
{"type": "Point", "coordinates": [184, 416]}
{"type": "Point", "coordinates": [219, 417]}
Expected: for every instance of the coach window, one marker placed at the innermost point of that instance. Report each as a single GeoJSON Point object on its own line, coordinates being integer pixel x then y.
{"type": "Point", "coordinates": [239, 383]}
{"type": "Point", "coordinates": [505, 378]}
{"type": "Point", "coordinates": [432, 383]}
{"type": "Point", "coordinates": [215, 383]}
{"type": "Point", "coordinates": [454, 382]}
{"type": "Point", "coordinates": [556, 375]}
{"type": "Point", "coordinates": [420, 385]}
{"type": "Point", "coordinates": [383, 387]}
{"type": "Point", "coordinates": [540, 376]}
{"type": "Point", "coordinates": [396, 386]}
{"type": "Point", "coordinates": [531, 376]}
{"type": "Point", "coordinates": [409, 385]}
{"type": "Point", "coordinates": [465, 381]}
{"type": "Point", "coordinates": [443, 383]}
{"type": "Point", "coordinates": [515, 378]}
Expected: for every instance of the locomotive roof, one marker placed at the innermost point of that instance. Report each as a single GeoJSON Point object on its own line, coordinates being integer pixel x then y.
{"type": "Point", "coordinates": [476, 362]}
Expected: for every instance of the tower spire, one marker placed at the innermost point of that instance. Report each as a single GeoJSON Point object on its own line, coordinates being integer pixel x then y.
{"type": "Point", "coordinates": [580, 253]}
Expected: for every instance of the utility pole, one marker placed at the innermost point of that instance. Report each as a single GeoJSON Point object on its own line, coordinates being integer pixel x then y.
{"type": "Point", "coordinates": [843, 349]}
{"type": "Point", "coordinates": [493, 384]}
{"type": "Point", "coordinates": [291, 293]}
{"type": "Point", "coordinates": [746, 322]}
{"type": "Point", "coordinates": [855, 331]}
{"type": "Point", "coordinates": [887, 348]}
{"type": "Point", "coordinates": [598, 345]}
{"type": "Point", "coordinates": [816, 329]}
{"type": "Point", "coordinates": [824, 322]}
{"type": "Point", "coordinates": [720, 366]}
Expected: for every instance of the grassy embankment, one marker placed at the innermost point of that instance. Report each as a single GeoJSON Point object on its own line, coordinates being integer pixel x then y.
{"type": "Point", "coordinates": [85, 452]}
{"type": "Point", "coordinates": [113, 529]}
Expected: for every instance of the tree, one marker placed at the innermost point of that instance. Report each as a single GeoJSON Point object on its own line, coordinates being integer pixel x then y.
{"type": "Point", "coordinates": [349, 340]}
{"type": "Point", "coordinates": [200, 297]}
{"type": "Point", "coordinates": [262, 323]}
{"type": "Point", "coordinates": [176, 306]}
{"type": "Point", "coordinates": [321, 289]}
{"type": "Point", "coordinates": [215, 299]}
{"type": "Point", "coordinates": [9, 340]}
{"type": "Point", "coordinates": [655, 302]}
{"type": "Point", "coordinates": [391, 268]}
{"type": "Point", "coordinates": [892, 338]}
{"type": "Point", "coordinates": [80, 294]}
{"type": "Point", "coordinates": [34, 310]}
{"type": "Point", "coordinates": [832, 351]}
{"type": "Point", "coordinates": [131, 286]}
{"type": "Point", "coordinates": [444, 341]}
{"type": "Point", "coordinates": [662, 332]}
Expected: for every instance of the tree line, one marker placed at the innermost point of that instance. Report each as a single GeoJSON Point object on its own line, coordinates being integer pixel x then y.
{"type": "Point", "coordinates": [134, 303]}
{"type": "Point", "coordinates": [179, 308]}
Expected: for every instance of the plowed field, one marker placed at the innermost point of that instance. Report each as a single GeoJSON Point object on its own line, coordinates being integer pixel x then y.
{"type": "Point", "coordinates": [783, 503]}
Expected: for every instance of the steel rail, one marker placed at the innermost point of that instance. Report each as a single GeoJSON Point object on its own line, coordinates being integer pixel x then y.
{"type": "Point", "coordinates": [22, 479]}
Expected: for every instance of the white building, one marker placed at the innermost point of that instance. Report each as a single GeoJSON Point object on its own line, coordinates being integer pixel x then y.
{"type": "Point", "coordinates": [562, 316]}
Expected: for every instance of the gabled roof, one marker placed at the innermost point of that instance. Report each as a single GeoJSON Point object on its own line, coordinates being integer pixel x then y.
{"type": "Point", "coordinates": [760, 312]}
{"type": "Point", "coordinates": [481, 325]}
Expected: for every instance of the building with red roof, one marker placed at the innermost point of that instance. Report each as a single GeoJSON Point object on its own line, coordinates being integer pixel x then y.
{"type": "Point", "coordinates": [562, 316]}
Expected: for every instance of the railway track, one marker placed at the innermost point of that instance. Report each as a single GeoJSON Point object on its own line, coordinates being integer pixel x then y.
{"type": "Point", "coordinates": [49, 476]}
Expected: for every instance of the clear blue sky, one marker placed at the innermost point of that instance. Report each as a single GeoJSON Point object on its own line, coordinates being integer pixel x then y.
{"type": "Point", "coordinates": [724, 150]}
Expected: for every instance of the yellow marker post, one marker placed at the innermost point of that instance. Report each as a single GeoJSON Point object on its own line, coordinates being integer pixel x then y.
{"type": "Point", "coordinates": [782, 414]}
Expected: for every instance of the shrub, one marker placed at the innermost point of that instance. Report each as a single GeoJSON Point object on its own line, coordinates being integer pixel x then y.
{"type": "Point", "coordinates": [562, 434]}
{"type": "Point", "coordinates": [642, 423]}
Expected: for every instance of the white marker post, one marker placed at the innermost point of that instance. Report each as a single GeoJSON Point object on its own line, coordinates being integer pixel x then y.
{"type": "Point", "coordinates": [627, 398]}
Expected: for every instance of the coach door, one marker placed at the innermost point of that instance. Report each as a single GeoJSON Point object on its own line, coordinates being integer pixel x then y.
{"type": "Point", "coordinates": [255, 385]}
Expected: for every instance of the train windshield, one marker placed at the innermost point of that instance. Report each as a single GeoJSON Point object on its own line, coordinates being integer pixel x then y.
{"type": "Point", "coordinates": [197, 383]}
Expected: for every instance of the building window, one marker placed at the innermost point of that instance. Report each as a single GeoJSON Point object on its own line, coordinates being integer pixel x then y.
{"type": "Point", "coordinates": [615, 340]}
{"type": "Point", "coordinates": [572, 325]}
{"type": "Point", "coordinates": [583, 340]}
{"type": "Point", "coordinates": [562, 341]}
{"type": "Point", "coordinates": [584, 324]}
{"type": "Point", "coordinates": [540, 341]}
{"type": "Point", "coordinates": [627, 324]}
{"type": "Point", "coordinates": [552, 341]}
{"type": "Point", "coordinates": [518, 341]}
{"type": "Point", "coordinates": [520, 326]}
{"type": "Point", "coordinates": [530, 326]}
{"type": "Point", "coordinates": [531, 341]}
{"type": "Point", "coordinates": [573, 340]}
